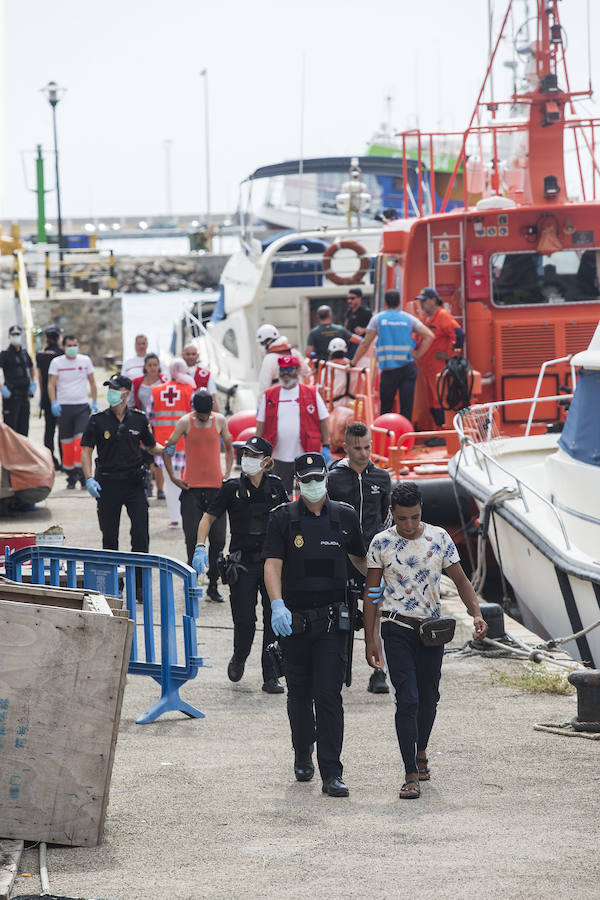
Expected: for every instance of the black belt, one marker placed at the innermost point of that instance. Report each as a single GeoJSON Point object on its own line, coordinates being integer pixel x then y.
{"type": "Point", "coordinates": [251, 557]}
{"type": "Point", "coordinates": [413, 621]}
{"type": "Point", "coordinates": [319, 612]}
{"type": "Point", "coordinates": [118, 476]}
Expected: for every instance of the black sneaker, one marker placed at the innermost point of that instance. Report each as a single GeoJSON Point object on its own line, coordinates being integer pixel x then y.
{"type": "Point", "coordinates": [273, 686]}
{"type": "Point", "coordinates": [377, 683]}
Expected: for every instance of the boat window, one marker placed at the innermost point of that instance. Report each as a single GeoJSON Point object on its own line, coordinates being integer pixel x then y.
{"type": "Point", "coordinates": [568, 276]}
{"type": "Point", "coordinates": [230, 342]}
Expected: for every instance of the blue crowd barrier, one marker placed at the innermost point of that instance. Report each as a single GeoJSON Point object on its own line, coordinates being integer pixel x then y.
{"type": "Point", "coordinates": [101, 573]}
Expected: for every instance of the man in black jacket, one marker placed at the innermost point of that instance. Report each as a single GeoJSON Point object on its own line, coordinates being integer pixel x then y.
{"type": "Point", "coordinates": [358, 481]}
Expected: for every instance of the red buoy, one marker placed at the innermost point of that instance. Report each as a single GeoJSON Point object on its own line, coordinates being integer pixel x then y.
{"type": "Point", "coordinates": [239, 421]}
{"type": "Point", "coordinates": [246, 433]}
{"type": "Point", "coordinates": [399, 425]}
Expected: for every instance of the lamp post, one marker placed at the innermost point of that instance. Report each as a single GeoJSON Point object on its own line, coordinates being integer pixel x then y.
{"type": "Point", "coordinates": [204, 75]}
{"type": "Point", "coordinates": [54, 94]}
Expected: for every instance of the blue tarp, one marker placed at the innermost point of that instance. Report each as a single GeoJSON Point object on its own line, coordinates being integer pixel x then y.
{"type": "Point", "coordinates": [581, 435]}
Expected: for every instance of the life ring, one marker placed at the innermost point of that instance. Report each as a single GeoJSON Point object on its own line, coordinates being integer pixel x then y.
{"type": "Point", "coordinates": [363, 266]}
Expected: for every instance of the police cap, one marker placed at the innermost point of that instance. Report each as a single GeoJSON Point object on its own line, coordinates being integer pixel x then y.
{"type": "Point", "coordinates": [428, 293]}
{"type": "Point", "coordinates": [310, 464]}
{"type": "Point", "coordinates": [118, 381]}
{"type": "Point", "coordinates": [258, 445]}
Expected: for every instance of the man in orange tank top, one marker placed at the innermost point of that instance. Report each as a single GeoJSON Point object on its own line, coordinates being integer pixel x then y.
{"type": "Point", "coordinates": [447, 335]}
{"type": "Point", "coordinates": [202, 431]}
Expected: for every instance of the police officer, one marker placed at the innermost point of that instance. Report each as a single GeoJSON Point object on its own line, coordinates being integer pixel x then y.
{"type": "Point", "coordinates": [19, 384]}
{"type": "Point", "coordinates": [367, 488]}
{"type": "Point", "coordinates": [306, 550]}
{"type": "Point", "coordinates": [248, 500]}
{"type": "Point", "coordinates": [116, 434]}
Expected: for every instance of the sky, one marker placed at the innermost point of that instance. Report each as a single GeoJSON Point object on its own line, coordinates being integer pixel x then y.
{"type": "Point", "coordinates": [132, 73]}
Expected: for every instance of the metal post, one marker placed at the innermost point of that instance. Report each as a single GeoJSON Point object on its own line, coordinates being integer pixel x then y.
{"type": "Point", "coordinates": [111, 273]}
{"type": "Point", "coordinates": [41, 198]}
{"type": "Point", "coordinates": [16, 275]}
{"type": "Point", "coordinates": [61, 275]}
{"type": "Point", "coordinates": [47, 271]}
{"type": "Point", "coordinates": [204, 74]}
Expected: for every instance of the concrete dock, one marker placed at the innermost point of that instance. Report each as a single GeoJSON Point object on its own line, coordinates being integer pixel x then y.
{"type": "Point", "coordinates": [209, 808]}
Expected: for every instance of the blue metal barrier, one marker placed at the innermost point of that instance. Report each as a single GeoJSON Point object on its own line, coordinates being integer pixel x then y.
{"type": "Point", "coordinates": [101, 573]}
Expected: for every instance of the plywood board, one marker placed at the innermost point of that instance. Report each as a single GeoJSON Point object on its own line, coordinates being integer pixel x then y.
{"type": "Point", "coordinates": [62, 674]}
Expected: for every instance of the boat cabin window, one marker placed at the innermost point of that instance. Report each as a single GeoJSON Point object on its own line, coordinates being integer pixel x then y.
{"type": "Point", "coordinates": [568, 276]}
{"type": "Point", "coordinates": [230, 342]}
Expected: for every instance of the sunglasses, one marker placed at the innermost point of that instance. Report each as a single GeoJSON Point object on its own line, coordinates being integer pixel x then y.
{"type": "Point", "coordinates": [288, 371]}
{"type": "Point", "coordinates": [307, 478]}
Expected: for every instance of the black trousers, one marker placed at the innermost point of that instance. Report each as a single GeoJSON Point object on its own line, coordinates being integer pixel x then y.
{"type": "Point", "coordinates": [194, 503]}
{"type": "Point", "coordinates": [285, 471]}
{"type": "Point", "coordinates": [15, 411]}
{"type": "Point", "coordinates": [243, 597]}
{"type": "Point", "coordinates": [115, 495]}
{"type": "Point", "coordinates": [415, 673]}
{"type": "Point", "coordinates": [402, 380]}
{"type": "Point", "coordinates": [315, 670]}
{"type": "Point", "coordinates": [50, 426]}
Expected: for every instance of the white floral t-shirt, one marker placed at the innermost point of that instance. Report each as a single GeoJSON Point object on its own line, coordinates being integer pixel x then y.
{"type": "Point", "coordinates": [412, 569]}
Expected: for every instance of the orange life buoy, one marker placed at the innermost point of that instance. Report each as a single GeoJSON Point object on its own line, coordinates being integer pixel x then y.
{"type": "Point", "coordinates": [363, 266]}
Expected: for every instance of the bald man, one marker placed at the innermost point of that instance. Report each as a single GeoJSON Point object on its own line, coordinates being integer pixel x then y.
{"type": "Point", "coordinates": [201, 376]}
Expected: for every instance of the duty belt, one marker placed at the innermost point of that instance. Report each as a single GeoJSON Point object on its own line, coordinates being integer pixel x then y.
{"type": "Point", "coordinates": [413, 621]}
{"type": "Point", "coordinates": [319, 612]}
{"type": "Point", "coordinates": [118, 476]}
{"type": "Point", "coordinates": [251, 557]}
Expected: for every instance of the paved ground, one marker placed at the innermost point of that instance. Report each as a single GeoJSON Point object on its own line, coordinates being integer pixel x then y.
{"type": "Point", "coordinates": [209, 808]}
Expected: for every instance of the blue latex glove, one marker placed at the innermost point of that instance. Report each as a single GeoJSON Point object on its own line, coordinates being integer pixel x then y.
{"type": "Point", "coordinates": [281, 618]}
{"type": "Point", "coordinates": [56, 408]}
{"type": "Point", "coordinates": [32, 388]}
{"type": "Point", "coordinates": [375, 593]}
{"type": "Point", "coordinates": [200, 560]}
{"type": "Point", "coordinates": [170, 449]}
{"type": "Point", "coordinates": [6, 392]}
{"type": "Point", "coordinates": [93, 487]}
{"type": "Point", "coordinates": [94, 407]}
{"type": "Point", "coordinates": [326, 454]}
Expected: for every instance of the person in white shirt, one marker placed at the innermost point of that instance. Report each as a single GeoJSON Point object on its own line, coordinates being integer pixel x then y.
{"type": "Point", "coordinates": [202, 377]}
{"type": "Point", "coordinates": [276, 345]}
{"type": "Point", "coordinates": [134, 367]}
{"type": "Point", "coordinates": [294, 419]}
{"type": "Point", "coordinates": [69, 377]}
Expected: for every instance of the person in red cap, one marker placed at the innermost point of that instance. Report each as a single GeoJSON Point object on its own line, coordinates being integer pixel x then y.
{"type": "Point", "coordinates": [294, 419]}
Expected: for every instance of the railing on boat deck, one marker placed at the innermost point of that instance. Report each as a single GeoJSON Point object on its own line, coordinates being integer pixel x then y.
{"type": "Point", "coordinates": [477, 429]}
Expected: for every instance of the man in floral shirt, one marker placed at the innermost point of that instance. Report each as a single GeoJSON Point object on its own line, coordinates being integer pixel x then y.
{"type": "Point", "coordinates": [405, 569]}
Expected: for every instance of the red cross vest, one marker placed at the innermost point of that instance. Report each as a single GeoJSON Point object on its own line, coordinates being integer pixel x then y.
{"type": "Point", "coordinates": [201, 377]}
{"type": "Point", "coordinates": [170, 402]}
{"type": "Point", "coordinates": [136, 389]}
{"type": "Point", "coordinates": [310, 431]}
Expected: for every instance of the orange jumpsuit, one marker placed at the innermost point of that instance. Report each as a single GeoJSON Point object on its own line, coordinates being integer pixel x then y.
{"type": "Point", "coordinates": [443, 325]}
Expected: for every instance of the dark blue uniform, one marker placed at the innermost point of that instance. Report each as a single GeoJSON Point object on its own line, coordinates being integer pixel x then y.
{"type": "Point", "coordinates": [314, 552]}
{"type": "Point", "coordinates": [248, 508]}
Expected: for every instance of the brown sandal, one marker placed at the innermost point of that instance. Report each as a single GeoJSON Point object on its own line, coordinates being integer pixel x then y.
{"type": "Point", "coordinates": [423, 768]}
{"type": "Point", "coordinates": [410, 790]}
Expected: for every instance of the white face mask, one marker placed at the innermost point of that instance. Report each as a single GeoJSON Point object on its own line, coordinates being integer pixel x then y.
{"type": "Point", "coordinates": [251, 465]}
{"type": "Point", "coordinates": [313, 491]}
{"type": "Point", "coordinates": [15, 340]}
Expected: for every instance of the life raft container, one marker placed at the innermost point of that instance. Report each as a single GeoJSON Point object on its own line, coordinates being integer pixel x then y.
{"type": "Point", "coordinates": [363, 265]}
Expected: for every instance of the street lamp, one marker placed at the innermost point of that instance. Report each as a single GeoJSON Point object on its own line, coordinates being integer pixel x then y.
{"type": "Point", "coordinates": [53, 94]}
{"type": "Point", "coordinates": [204, 74]}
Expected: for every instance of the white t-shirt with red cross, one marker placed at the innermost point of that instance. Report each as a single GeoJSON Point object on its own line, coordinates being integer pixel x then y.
{"type": "Point", "coordinates": [71, 378]}
{"type": "Point", "coordinates": [287, 446]}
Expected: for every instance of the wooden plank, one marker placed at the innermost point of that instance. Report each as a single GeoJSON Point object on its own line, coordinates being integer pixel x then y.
{"type": "Point", "coordinates": [61, 688]}
{"type": "Point", "coordinates": [10, 855]}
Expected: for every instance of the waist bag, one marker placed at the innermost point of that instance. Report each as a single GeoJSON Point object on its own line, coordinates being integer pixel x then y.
{"type": "Point", "coordinates": [434, 631]}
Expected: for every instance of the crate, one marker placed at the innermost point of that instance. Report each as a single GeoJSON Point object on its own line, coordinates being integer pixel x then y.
{"type": "Point", "coordinates": [63, 663]}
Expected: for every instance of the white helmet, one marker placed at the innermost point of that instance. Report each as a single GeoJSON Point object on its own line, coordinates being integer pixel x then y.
{"type": "Point", "coordinates": [337, 345]}
{"type": "Point", "coordinates": [266, 334]}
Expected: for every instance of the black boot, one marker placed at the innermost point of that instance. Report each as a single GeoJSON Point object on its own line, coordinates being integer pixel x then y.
{"type": "Point", "coordinates": [212, 593]}
{"type": "Point", "coordinates": [303, 765]}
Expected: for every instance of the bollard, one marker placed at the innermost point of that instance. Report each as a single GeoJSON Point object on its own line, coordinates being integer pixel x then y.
{"type": "Point", "coordinates": [588, 700]}
{"type": "Point", "coordinates": [494, 617]}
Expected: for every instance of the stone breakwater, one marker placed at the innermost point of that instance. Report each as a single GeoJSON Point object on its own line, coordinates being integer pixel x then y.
{"type": "Point", "coordinates": [135, 275]}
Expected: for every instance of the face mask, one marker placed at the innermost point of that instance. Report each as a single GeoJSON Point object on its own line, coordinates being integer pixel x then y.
{"type": "Point", "coordinates": [113, 397]}
{"type": "Point", "coordinates": [71, 352]}
{"type": "Point", "coordinates": [313, 491]}
{"type": "Point", "coordinates": [250, 465]}
{"type": "Point", "coordinates": [15, 340]}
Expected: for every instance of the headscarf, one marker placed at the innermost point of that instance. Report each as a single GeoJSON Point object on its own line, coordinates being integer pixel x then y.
{"type": "Point", "coordinates": [178, 372]}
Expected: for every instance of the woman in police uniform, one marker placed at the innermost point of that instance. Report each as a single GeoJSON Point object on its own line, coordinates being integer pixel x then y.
{"type": "Point", "coordinates": [306, 550]}
{"type": "Point", "coordinates": [248, 500]}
